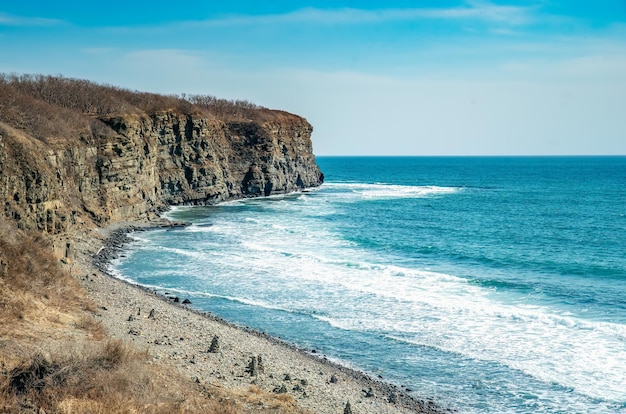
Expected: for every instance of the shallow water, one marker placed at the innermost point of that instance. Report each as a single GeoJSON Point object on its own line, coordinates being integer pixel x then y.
{"type": "Point", "coordinates": [488, 284]}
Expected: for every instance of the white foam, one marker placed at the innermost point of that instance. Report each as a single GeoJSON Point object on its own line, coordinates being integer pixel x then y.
{"type": "Point", "coordinates": [173, 210]}
{"type": "Point", "coordinates": [387, 191]}
{"type": "Point", "coordinates": [445, 312]}
{"type": "Point", "coordinates": [585, 356]}
{"type": "Point", "coordinates": [299, 264]}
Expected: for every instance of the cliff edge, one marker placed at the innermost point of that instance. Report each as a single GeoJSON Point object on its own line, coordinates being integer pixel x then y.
{"type": "Point", "coordinates": [73, 152]}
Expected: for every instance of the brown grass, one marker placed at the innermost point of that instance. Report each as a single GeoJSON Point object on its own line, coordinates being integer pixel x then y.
{"type": "Point", "coordinates": [53, 106]}
{"type": "Point", "coordinates": [254, 396]}
{"type": "Point", "coordinates": [55, 357]}
{"type": "Point", "coordinates": [32, 285]}
{"type": "Point", "coordinates": [89, 324]}
{"type": "Point", "coordinates": [107, 377]}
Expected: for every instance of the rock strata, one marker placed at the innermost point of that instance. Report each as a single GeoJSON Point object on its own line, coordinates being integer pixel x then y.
{"type": "Point", "coordinates": [63, 166]}
{"type": "Point", "coordinates": [127, 156]}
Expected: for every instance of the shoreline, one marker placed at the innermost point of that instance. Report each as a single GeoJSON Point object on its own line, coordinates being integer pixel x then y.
{"type": "Point", "coordinates": [315, 382]}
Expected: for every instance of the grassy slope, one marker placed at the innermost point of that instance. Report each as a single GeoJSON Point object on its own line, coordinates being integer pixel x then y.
{"type": "Point", "coordinates": [55, 356]}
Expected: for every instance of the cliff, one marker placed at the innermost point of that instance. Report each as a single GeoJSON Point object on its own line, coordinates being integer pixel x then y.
{"type": "Point", "coordinates": [73, 152]}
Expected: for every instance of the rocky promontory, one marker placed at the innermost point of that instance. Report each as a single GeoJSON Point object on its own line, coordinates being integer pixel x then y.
{"type": "Point", "coordinates": [73, 152]}
{"type": "Point", "coordinates": [81, 165]}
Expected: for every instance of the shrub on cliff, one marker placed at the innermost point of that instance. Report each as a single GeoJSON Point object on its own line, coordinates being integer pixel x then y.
{"type": "Point", "coordinates": [81, 96]}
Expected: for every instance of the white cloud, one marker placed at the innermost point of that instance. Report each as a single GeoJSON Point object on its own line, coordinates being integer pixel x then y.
{"type": "Point", "coordinates": [98, 51]}
{"type": "Point", "coordinates": [164, 56]}
{"type": "Point", "coordinates": [9, 20]}
{"type": "Point", "coordinates": [483, 11]}
{"type": "Point", "coordinates": [596, 62]}
{"type": "Point", "coordinates": [159, 70]}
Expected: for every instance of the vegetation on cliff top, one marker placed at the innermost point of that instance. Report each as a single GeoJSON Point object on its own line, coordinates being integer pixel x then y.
{"type": "Point", "coordinates": [73, 151]}
{"type": "Point", "coordinates": [49, 107]}
{"type": "Point", "coordinates": [55, 357]}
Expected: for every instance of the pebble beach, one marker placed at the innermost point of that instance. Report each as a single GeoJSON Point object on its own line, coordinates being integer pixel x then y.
{"type": "Point", "coordinates": [214, 352]}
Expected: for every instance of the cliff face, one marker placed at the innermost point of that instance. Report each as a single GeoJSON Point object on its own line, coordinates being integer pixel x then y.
{"type": "Point", "coordinates": [126, 166]}
{"type": "Point", "coordinates": [181, 159]}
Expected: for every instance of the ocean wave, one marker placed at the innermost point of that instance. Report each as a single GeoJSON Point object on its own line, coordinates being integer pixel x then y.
{"type": "Point", "coordinates": [388, 191]}
{"type": "Point", "coordinates": [237, 299]}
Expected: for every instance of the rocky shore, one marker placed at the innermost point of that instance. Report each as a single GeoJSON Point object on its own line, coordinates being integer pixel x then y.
{"type": "Point", "coordinates": [214, 352]}
{"type": "Point", "coordinates": [78, 159]}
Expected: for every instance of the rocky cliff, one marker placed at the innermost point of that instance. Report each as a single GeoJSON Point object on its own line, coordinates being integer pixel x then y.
{"type": "Point", "coordinates": [72, 152]}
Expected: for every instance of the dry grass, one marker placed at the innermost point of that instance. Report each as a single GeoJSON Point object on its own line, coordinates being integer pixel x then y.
{"type": "Point", "coordinates": [92, 326]}
{"type": "Point", "coordinates": [32, 285]}
{"type": "Point", "coordinates": [54, 105]}
{"type": "Point", "coordinates": [60, 111]}
{"type": "Point", "coordinates": [107, 377]}
{"type": "Point", "coordinates": [281, 403]}
{"type": "Point", "coordinates": [55, 357]}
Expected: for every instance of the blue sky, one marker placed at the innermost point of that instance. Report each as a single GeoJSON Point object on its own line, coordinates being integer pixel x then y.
{"type": "Point", "coordinates": [374, 78]}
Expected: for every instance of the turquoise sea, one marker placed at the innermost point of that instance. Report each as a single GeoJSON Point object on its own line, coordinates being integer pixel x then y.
{"type": "Point", "coordinates": [490, 284]}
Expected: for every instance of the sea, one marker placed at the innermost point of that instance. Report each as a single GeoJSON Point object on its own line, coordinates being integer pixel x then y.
{"type": "Point", "coordinates": [488, 284]}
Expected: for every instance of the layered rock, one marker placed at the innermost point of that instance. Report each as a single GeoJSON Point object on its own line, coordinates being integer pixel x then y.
{"type": "Point", "coordinates": [128, 166]}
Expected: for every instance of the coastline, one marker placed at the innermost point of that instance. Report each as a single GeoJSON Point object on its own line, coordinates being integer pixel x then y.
{"type": "Point", "coordinates": [179, 335]}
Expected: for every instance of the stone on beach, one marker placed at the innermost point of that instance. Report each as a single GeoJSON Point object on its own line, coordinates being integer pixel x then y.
{"type": "Point", "coordinates": [252, 367]}
{"type": "Point", "coordinates": [239, 353]}
{"type": "Point", "coordinates": [215, 345]}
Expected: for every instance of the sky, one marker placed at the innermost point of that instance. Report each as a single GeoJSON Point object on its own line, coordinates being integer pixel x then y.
{"type": "Point", "coordinates": [395, 77]}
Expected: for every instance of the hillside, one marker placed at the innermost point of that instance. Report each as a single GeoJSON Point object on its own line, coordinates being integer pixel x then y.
{"type": "Point", "coordinates": [74, 152]}
{"type": "Point", "coordinates": [76, 157]}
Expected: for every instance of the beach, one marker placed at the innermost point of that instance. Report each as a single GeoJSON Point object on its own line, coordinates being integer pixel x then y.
{"type": "Point", "coordinates": [430, 287]}
{"type": "Point", "coordinates": [216, 353]}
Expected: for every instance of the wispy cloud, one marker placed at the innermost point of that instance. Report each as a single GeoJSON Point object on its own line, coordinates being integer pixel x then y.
{"type": "Point", "coordinates": [473, 10]}
{"type": "Point", "coordinates": [10, 20]}
{"type": "Point", "coordinates": [98, 51]}
{"type": "Point", "coordinates": [178, 56]}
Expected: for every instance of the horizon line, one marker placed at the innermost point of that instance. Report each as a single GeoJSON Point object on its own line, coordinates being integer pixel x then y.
{"type": "Point", "coordinates": [471, 155]}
